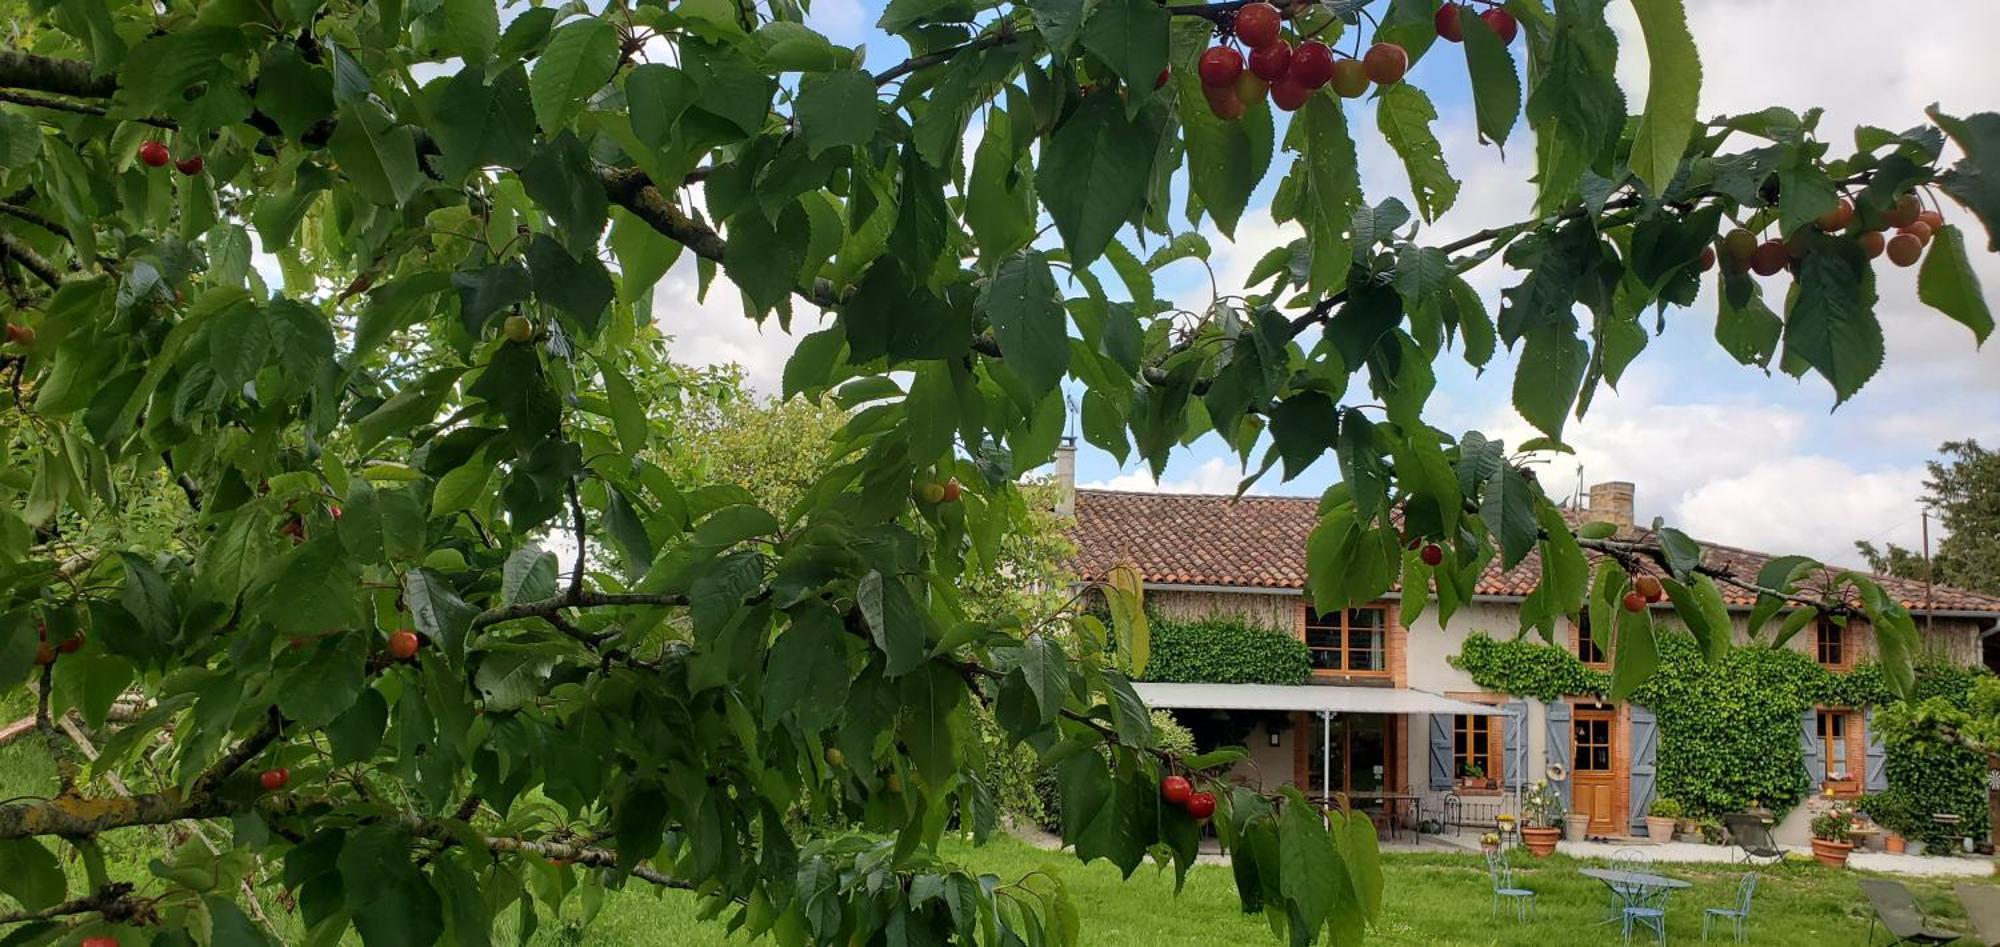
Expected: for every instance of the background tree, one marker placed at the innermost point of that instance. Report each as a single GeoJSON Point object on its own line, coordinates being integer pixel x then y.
{"type": "Point", "coordinates": [1964, 489]}
{"type": "Point", "coordinates": [369, 284]}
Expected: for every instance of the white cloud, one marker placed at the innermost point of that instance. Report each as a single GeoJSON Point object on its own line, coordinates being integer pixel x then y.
{"type": "Point", "coordinates": [1813, 505]}
{"type": "Point", "coordinates": [717, 332]}
{"type": "Point", "coordinates": [1215, 475]}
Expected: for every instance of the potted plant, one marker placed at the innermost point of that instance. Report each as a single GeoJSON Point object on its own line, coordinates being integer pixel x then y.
{"type": "Point", "coordinates": [1542, 809]}
{"type": "Point", "coordinates": [1489, 842]}
{"type": "Point", "coordinates": [1661, 818]}
{"type": "Point", "coordinates": [1576, 826]}
{"type": "Point", "coordinates": [1831, 836]}
{"type": "Point", "coordinates": [1888, 810]}
{"type": "Point", "coordinates": [1471, 774]}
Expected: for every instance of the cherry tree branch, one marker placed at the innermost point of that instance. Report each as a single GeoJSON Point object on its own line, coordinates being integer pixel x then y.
{"type": "Point", "coordinates": [114, 902]}
{"type": "Point", "coordinates": [33, 262]}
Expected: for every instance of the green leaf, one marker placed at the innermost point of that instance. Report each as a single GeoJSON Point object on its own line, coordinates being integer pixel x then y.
{"type": "Point", "coordinates": [1000, 198]}
{"type": "Point", "coordinates": [1025, 309]}
{"type": "Point", "coordinates": [1635, 656]}
{"type": "Point", "coordinates": [357, 733]}
{"type": "Point", "coordinates": [1975, 180]}
{"type": "Point", "coordinates": [763, 257]}
{"type": "Point", "coordinates": [1831, 323]}
{"type": "Point", "coordinates": [836, 109]}
{"type": "Point", "coordinates": [1553, 360]}
{"type": "Point", "coordinates": [644, 255]}
{"type": "Point", "coordinates": [459, 489]}
{"type": "Point", "coordinates": [1508, 508]}
{"type": "Point", "coordinates": [894, 621]}
{"type": "Point", "coordinates": [292, 92]}
{"type": "Point", "coordinates": [1125, 595]}
{"type": "Point", "coordinates": [477, 123]}
{"type": "Point", "coordinates": [1333, 180]}
{"type": "Point", "coordinates": [806, 674]}
{"type": "Point", "coordinates": [1496, 86]}
{"type": "Point", "coordinates": [308, 591]}
{"type": "Point", "coordinates": [1404, 115]}
{"type": "Point", "coordinates": [529, 575]}
{"type": "Point", "coordinates": [1948, 283]}
{"type": "Point", "coordinates": [484, 292]}
{"type": "Point", "coordinates": [29, 874]}
{"type": "Point", "coordinates": [437, 610]}
{"type": "Point", "coordinates": [578, 60]}
{"type": "Point", "coordinates": [471, 29]}
{"type": "Point", "coordinates": [560, 178]}
{"type": "Point", "coordinates": [581, 288]}
{"type": "Point", "coordinates": [656, 95]}
{"type": "Point", "coordinates": [1131, 37]}
{"type": "Point", "coordinates": [316, 692]}
{"type": "Point", "coordinates": [1046, 669]}
{"type": "Point", "coordinates": [1225, 160]}
{"type": "Point", "coordinates": [1094, 172]}
{"type": "Point", "coordinates": [1309, 865]}
{"type": "Point", "coordinates": [628, 414]}
{"type": "Point", "coordinates": [378, 156]}
{"type": "Point", "coordinates": [1673, 89]}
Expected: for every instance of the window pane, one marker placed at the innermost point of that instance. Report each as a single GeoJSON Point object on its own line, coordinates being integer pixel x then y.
{"type": "Point", "coordinates": [1325, 660]}
{"type": "Point", "coordinates": [1602, 759]}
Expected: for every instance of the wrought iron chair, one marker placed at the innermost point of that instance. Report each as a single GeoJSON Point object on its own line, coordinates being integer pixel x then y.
{"type": "Point", "coordinates": [1504, 887]}
{"type": "Point", "coordinates": [1751, 836]}
{"type": "Point", "coordinates": [1649, 909]}
{"type": "Point", "coordinates": [1738, 916]}
{"type": "Point", "coordinates": [1623, 896]}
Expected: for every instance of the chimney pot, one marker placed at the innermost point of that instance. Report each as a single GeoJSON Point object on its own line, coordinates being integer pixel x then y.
{"type": "Point", "coordinates": [1066, 478]}
{"type": "Point", "coordinates": [1612, 502]}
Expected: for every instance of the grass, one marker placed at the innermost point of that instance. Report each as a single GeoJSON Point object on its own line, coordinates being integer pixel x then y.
{"type": "Point", "coordinates": [1430, 899]}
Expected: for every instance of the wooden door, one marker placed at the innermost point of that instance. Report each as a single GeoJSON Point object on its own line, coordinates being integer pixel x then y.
{"type": "Point", "coordinates": [1591, 779]}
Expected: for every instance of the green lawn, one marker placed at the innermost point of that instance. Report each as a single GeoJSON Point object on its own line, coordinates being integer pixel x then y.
{"type": "Point", "coordinates": [1431, 899]}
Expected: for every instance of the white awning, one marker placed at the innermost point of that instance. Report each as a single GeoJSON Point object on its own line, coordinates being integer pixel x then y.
{"type": "Point", "coordinates": [1310, 697]}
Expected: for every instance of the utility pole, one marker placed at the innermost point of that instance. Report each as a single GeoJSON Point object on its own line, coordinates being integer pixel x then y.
{"type": "Point", "coordinates": [1930, 609]}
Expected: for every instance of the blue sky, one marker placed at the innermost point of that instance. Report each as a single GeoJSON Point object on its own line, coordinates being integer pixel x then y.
{"type": "Point", "coordinates": [1720, 449]}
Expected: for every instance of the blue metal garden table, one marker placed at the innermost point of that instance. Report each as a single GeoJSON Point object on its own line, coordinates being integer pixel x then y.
{"type": "Point", "coordinates": [1636, 889]}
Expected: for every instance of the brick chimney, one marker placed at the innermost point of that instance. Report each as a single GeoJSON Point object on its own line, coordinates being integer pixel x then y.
{"type": "Point", "coordinates": [1612, 502]}
{"type": "Point", "coordinates": [1066, 478]}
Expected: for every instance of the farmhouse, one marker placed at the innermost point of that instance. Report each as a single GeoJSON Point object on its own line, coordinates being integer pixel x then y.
{"type": "Point", "coordinates": [1422, 719]}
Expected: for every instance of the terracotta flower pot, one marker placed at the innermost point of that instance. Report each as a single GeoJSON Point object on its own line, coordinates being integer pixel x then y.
{"type": "Point", "coordinates": [1660, 831]}
{"type": "Point", "coordinates": [1894, 844]}
{"type": "Point", "coordinates": [1831, 854]}
{"type": "Point", "coordinates": [1540, 839]}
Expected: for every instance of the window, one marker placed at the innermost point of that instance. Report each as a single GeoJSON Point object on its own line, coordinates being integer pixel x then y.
{"type": "Point", "coordinates": [1832, 644]}
{"type": "Point", "coordinates": [1353, 641]}
{"type": "Point", "coordinates": [1587, 649]}
{"type": "Point", "coordinates": [1593, 744]}
{"type": "Point", "coordinates": [1833, 728]}
{"type": "Point", "coordinates": [1476, 748]}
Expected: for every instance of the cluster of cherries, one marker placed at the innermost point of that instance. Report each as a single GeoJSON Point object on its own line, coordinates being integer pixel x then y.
{"type": "Point", "coordinates": [45, 653]}
{"type": "Point", "coordinates": [1646, 590]}
{"type": "Point", "coordinates": [1178, 791]}
{"type": "Point", "coordinates": [1450, 26]}
{"type": "Point", "coordinates": [154, 154]}
{"type": "Point", "coordinates": [1289, 75]}
{"type": "Point", "coordinates": [1914, 225]}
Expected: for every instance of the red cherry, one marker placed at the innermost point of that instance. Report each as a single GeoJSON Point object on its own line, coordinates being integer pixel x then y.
{"type": "Point", "coordinates": [1920, 230]}
{"type": "Point", "coordinates": [1257, 25]}
{"type": "Point", "coordinates": [1905, 249]}
{"type": "Point", "coordinates": [100, 942]}
{"type": "Point", "coordinates": [274, 779]}
{"type": "Point", "coordinates": [154, 154]}
{"type": "Point", "coordinates": [1312, 64]}
{"type": "Point", "coordinates": [1634, 602]}
{"type": "Point", "coordinates": [72, 644]}
{"type": "Point", "coordinates": [1432, 554]}
{"type": "Point", "coordinates": [1250, 89]}
{"type": "Point", "coordinates": [45, 655]}
{"type": "Point", "coordinates": [1931, 219]}
{"type": "Point", "coordinates": [403, 644]}
{"type": "Point", "coordinates": [1873, 243]}
{"type": "Point", "coordinates": [1771, 256]}
{"type": "Point", "coordinates": [1905, 213]}
{"type": "Point", "coordinates": [1502, 24]}
{"type": "Point", "coordinates": [1837, 219]}
{"type": "Point", "coordinates": [1448, 26]}
{"type": "Point", "coordinates": [1176, 789]}
{"type": "Point", "coordinates": [1224, 103]}
{"type": "Point", "coordinates": [189, 166]}
{"type": "Point", "coordinates": [1385, 63]}
{"type": "Point", "coordinates": [1707, 259]}
{"type": "Point", "coordinates": [20, 335]}
{"type": "Point", "coordinates": [952, 491]}
{"type": "Point", "coordinates": [1165, 74]}
{"type": "Point", "coordinates": [1219, 67]}
{"type": "Point", "coordinates": [1271, 62]}
{"type": "Point", "coordinates": [1201, 805]}
{"type": "Point", "coordinates": [333, 510]}
{"type": "Point", "coordinates": [1649, 588]}
{"type": "Point", "coordinates": [1350, 78]}
{"type": "Point", "coordinates": [1289, 95]}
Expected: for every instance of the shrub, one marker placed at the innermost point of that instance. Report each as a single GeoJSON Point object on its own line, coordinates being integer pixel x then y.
{"type": "Point", "coordinates": [1665, 808]}
{"type": "Point", "coordinates": [1225, 651]}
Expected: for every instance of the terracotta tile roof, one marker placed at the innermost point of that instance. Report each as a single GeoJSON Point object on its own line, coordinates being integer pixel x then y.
{"type": "Point", "coordinates": [1260, 542]}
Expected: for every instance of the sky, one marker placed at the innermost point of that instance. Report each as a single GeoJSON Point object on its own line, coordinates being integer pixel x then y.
{"type": "Point", "coordinates": [1720, 450]}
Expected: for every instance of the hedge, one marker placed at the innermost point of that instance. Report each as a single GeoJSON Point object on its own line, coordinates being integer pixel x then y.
{"type": "Point", "coordinates": [1729, 730]}
{"type": "Point", "coordinates": [1224, 651]}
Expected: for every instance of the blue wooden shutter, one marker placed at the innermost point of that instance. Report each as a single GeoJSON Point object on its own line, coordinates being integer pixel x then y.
{"type": "Point", "coordinates": [1558, 748]}
{"type": "Point", "coordinates": [1441, 755]}
{"type": "Point", "coordinates": [1877, 771]}
{"type": "Point", "coordinates": [1645, 752]}
{"type": "Point", "coordinates": [1515, 730]}
{"type": "Point", "coordinates": [1809, 745]}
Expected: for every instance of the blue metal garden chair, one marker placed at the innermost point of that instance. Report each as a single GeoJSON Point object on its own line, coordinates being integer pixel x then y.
{"type": "Point", "coordinates": [1504, 887]}
{"type": "Point", "coordinates": [1622, 897]}
{"type": "Point", "coordinates": [1648, 909]}
{"type": "Point", "coordinates": [1738, 916]}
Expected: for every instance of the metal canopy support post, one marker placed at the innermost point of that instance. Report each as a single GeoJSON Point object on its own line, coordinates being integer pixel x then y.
{"type": "Point", "coordinates": [1326, 753]}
